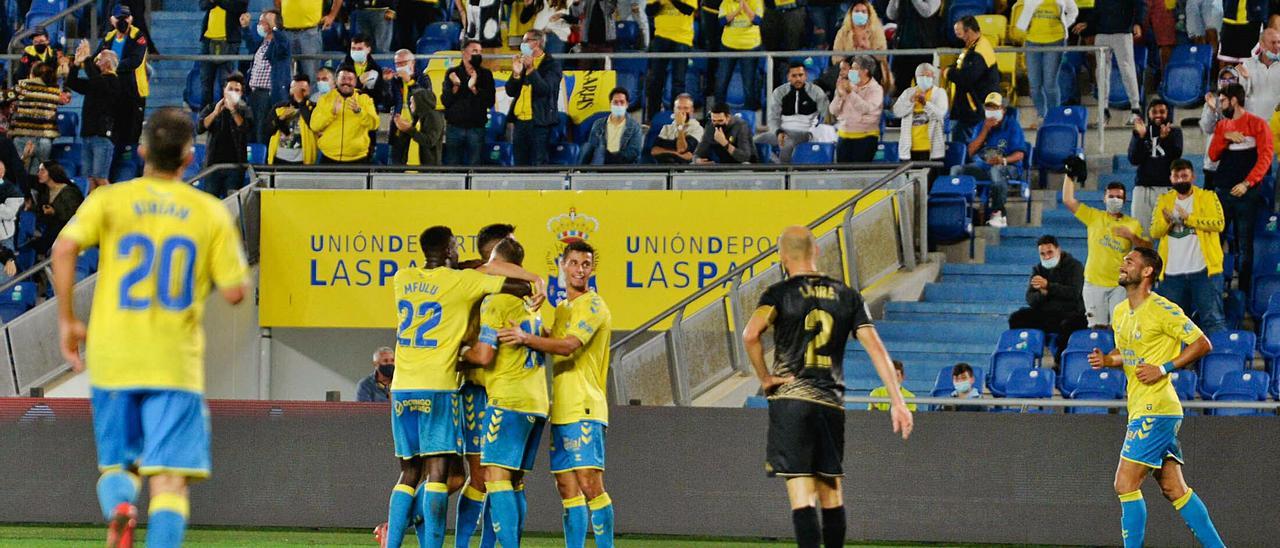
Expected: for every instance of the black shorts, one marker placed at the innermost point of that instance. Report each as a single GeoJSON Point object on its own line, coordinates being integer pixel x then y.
{"type": "Point", "coordinates": [1237, 41]}
{"type": "Point", "coordinates": [805, 439]}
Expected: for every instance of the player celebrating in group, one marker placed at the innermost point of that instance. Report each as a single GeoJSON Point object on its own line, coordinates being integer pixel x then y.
{"type": "Point", "coordinates": [434, 303]}
{"type": "Point", "coordinates": [163, 243]}
{"type": "Point", "coordinates": [579, 410]}
{"type": "Point", "coordinates": [1151, 330]}
{"type": "Point", "coordinates": [813, 316]}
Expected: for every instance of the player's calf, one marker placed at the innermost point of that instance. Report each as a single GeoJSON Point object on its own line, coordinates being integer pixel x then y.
{"type": "Point", "coordinates": [168, 511]}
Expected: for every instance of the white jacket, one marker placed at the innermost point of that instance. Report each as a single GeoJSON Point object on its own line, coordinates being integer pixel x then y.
{"type": "Point", "coordinates": [1262, 87]}
{"type": "Point", "coordinates": [935, 109]}
{"type": "Point", "coordinates": [1067, 15]}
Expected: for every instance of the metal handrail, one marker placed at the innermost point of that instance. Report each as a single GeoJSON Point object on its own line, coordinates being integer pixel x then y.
{"type": "Point", "coordinates": [93, 23]}
{"type": "Point", "coordinates": [1056, 402]}
{"type": "Point", "coordinates": [621, 168]}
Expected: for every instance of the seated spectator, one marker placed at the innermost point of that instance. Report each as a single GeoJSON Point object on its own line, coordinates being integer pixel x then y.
{"type": "Point", "coordinates": [1243, 148]}
{"type": "Point", "coordinates": [995, 151]}
{"type": "Point", "coordinates": [923, 110]}
{"type": "Point", "coordinates": [1155, 143]}
{"type": "Point", "coordinates": [11, 201]}
{"type": "Point", "coordinates": [1260, 76]}
{"type": "Point", "coordinates": [975, 76]}
{"type": "Point", "coordinates": [1054, 303]}
{"type": "Point", "coordinates": [293, 142]}
{"type": "Point", "coordinates": [729, 142]}
{"type": "Point", "coordinates": [616, 139]}
{"type": "Point", "coordinates": [468, 95]}
{"type": "Point", "coordinates": [40, 51]}
{"type": "Point", "coordinates": [794, 108]}
{"type": "Point", "coordinates": [965, 387]}
{"type": "Point", "coordinates": [883, 392]}
{"type": "Point", "coordinates": [1111, 234]}
{"type": "Point", "coordinates": [36, 121]}
{"type": "Point", "coordinates": [229, 123]}
{"type": "Point", "coordinates": [1188, 222]}
{"type": "Point", "coordinates": [677, 141]}
{"type": "Point", "coordinates": [323, 83]}
{"type": "Point", "coordinates": [1045, 23]}
{"type": "Point", "coordinates": [377, 386]}
{"type": "Point", "coordinates": [101, 89]}
{"type": "Point", "coordinates": [344, 118]}
{"type": "Point", "coordinates": [425, 129]}
{"type": "Point", "coordinates": [10, 262]}
{"type": "Point", "coordinates": [741, 21]}
{"type": "Point", "coordinates": [858, 105]}
{"type": "Point", "coordinates": [57, 199]}
{"type": "Point", "coordinates": [269, 74]}
{"type": "Point", "coordinates": [862, 30]}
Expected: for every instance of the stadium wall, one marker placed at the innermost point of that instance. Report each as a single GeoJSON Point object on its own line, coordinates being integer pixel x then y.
{"type": "Point", "coordinates": [962, 478]}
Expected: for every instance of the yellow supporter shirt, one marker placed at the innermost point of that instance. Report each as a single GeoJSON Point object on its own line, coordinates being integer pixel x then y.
{"type": "Point", "coordinates": [883, 392]}
{"type": "Point", "coordinates": [344, 136]}
{"type": "Point", "coordinates": [301, 14]}
{"type": "Point", "coordinates": [673, 25]}
{"type": "Point", "coordinates": [579, 380]}
{"type": "Point", "coordinates": [162, 244]}
{"type": "Point", "coordinates": [742, 32]}
{"type": "Point", "coordinates": [920, 126]}
{"type": "Point", "coordinates": [1046, 24]}
{"type": "Point", "coordinates": [523, 108]}
{"type": "Point", "coordinates": [433, 306]}
{"type": "Point", "coordinates": [1106, 250]}
{"type": "Point", "coordinates": [1152, 334]}
{"type": "Point", "coordinates": [217, 27]}
{"type": "Point", "coordinates": [518, 379]}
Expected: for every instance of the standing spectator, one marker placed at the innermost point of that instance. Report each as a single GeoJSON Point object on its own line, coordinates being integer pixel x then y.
{"type": "Point", "coordinates": [918, 24]}
{"type": "Point", "coordinates": [229, 123]}
{"type": "Point", "coordinates": [996, 150]}
{"type": "Point", "coordinates": [1111, 235]}
{"type": "Point", "coordinates": [373, 18]}
{"type": "Point", "coordinates": [964, 387]}
{"type": "Point", "coordinates": [324, 83]}
{"type": "Point", "coordinates": [377, 386]}
{"type": "Point", "coordinates": [1242, 21]}
{"type": "Point", "coordinates": [923, 110]}
{"type": "Point", "coordinates": [1243, 148]}
{"type": "Point", "coordinates": [304, 19]}
{"type": "Point", "coordinates": [1189, 222]}
{"type": "Point", "coordinates": [293, 142]}
{"type": "Point", "coordinates": [782, 29]}
{"type": "Point", "coordinates": [1155, 144]}
{"type": "Point", "coordinates": [677, 141]}
{"type": "Point", "coordinates": [130, 46]}
{"type": "Point", "coordinates": [729, 142]}
{"type": "Point", "coordinates": [1260, 76]}
{"type": "Point", "coordinates": [1117, 24]}
{"type": "Point", "coordinates": [57, 199]}
{"type": "Point", "coordinates": [101, 89]}
{"type": "Point", "coordinates": [858, 105]}
{"type": "Point", "coordinates": [596, 19]}
{"type": "Point", "coordinates": [480, 21]}
{"type": "Point", "coordinates": [547, 16]}
{"type": "Point", "coordinates": [425, 130]}
{"type": "Point", "coordinates": [1204, 21]}
{"type": "Point", "coordinates": [371, 80]}
{"type": "Point", "coordinates": [740, 20]}
{"type": "Point", "coordinates": [672, 33]}
{"type": "Point", "coordinates": [862, 30]}
{"type": "Point", "coordinates": [883, 392]}
{"type": "Point", "coordinates": [633, 10]}
{"type": "Point", "coordinates": [221, 36]}
{"type": "Point", "coordinates": [710, 38]}
{"type": "Point", "coordinates": [1160, 31]}
{"type": "Point", "coordinates": [468, 96]}
{"type": "Point", "coordinates": [269, 74]}
{"type": "Point", "coordinates": [534, 88]}
{"type": "Point", "coordinates": [40, 51]}
{"type": "Point", "coordinates": [616, 139]}
{"type": "Point", "coordinates": [1210, 114]}
{"type": "Point", "coordinates": [11, 200]}
{"type": "Point", "coordinates": [36, 122]}
{"type": "Point", "coordinates": [1046, 23]}
{"type": "Point", "coordinates": [824, 18]}
{"type": "Point", "coordinates": [794, 108]}
{"type": "Point", "coordinates": [344, 118]}
{"type": "Point", "coordinates": [402, 85]}
{"type": "Point", "coordinates": [975, 77]}
{"type": "Point", "coordinates": [141, 19]}
{"type": "Point", "coordinates": [1054, 295]}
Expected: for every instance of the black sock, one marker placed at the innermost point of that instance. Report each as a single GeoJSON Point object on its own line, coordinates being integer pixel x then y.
{"type": "Point", "coordinates": [833, 527]}
{"type": "Point", "coordinates": [805, 521]}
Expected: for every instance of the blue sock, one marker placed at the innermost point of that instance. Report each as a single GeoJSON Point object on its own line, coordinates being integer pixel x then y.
{"type": "Point", "coordinates": [168, 520]}
{"type": "Point", "coordinates": [435, 515]}
{"type": "Point", "coordinates": [399, 514]}
{"type": "Point", "coordinates": [602, 520]}
{"type": "Point", "coordinates": [470, 506]}
{"type": "Point", "coordinates": [1197, 517]}
{"type": "Point", "coordinates": [575, 522]}
{"type": "Point", "coordinates": [522, 503]}
{"type": "Point", "coordinates": [1133, 519]}
{"type": "Point", "coordinates": [506, 513]}
{"type": "Point", "coordinates": [115, 487]}
{"type": "Point", "coordinates": [487, 538]}
{"type": "Point", "coordinates": [419, 523]}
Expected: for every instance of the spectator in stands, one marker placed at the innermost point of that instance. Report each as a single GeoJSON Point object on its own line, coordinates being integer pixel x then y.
{"type": "Point", "coordinates": [1155, 143]}
{"type": "Point", "coordinates": [425, 129]}
{"type": "Point", "coordinates": [220, 36]}
{"type": "Point", "coordinates": [710, 38]}
{"type": "Point", "coordinates": [923, 111]}
{"type": "Point", "coordinates": [344, 118]}
{"type": "Point", "coordinates": [468, 96]}
{"type": "Point", "coordinates": [292, 141]}
{"type": "Point", "coordinates": [36, 122]}
{"type": "Point", "coordinates": [101, 90]}
{"type": "Point", "coordinates": [1189, 222]}
{"type": "Point", "coordinates": [975, 77]}
{"type": "Point", "coordinates": [141, 19]}
{"type": "Point", "coordinates": [369, 74]}
{"type": "Point", "coordinates": [862, 30]}
{"type": "Point", "coordinates": [1210, 115]}
{"type": "Point", "coordinates": [1046, 23]}
{"type": "Point", "coordinates": [1161, 35]}
{"type": "Point", "coordinates": [1117, 24]}
{"type": "Point", "coordinates": [729, 142]}
{"type": "Point", "coordinates": [548, 16]}
{"type": "Point", "coordinates": [596, 20]}
{"type": "Point", "coordinates": [677, 141]}
{"type": "Point", "coordinates": [1054, 295]}
{"type": "Point", "coordinates": [1244, 150]}
{"type": "Point", "coordinates": [672, 33]}
{"type": "Point", "coordinates": [740, 20]}
{"type": "Point", "coordinates": [324, 83]}
{"type": "Point", "coordinates": [57, 199]}
{"type": "Point", "coordinates": [782, 28]}
{"type": "Point", "coordinates": [795, 107]}
{"type": "Point", "coordinates": [1203, 19]}
{"type": "Point", "coordinates": [304, 19]}
{"type": "Point", "coordinates": [1260, 76]}
{"type": "Point", "coordinates": [965, 387]}
{"type": "Point", "coordinates": [130, 46]}
{"type": "Point", "coordinates": [918, 24]}
{"type": "Point", "coordinates": [534, 88]}
{"type": "Point", "coordinates": [229, 123]}
{"type": "Point", "coordinates": [480, 21]}
{"type": "Point", "coordinates": [617, 138]}
{"type": "Point", "coordinates": [883, 392]}
{"type": "Point", "coordinates": [1111, 235]}
{"type": "Point", "coordinates": [1240, 29]}
{"type": "Point", "coordinates": [40, 51]}
{"type": "Point", "coordinates": [12, 199]}
{"type": "Point", "coordinates": [373, 18]}
{"type": "Point", "coordinates": [632, 10]}
{"type": "Point", "coordinates": [401, 86]}
{"type": "Point", "coordinates": [10, 261]}
{"type": "Point", "coordinates": [269, 78]}
{"type": "Point", "coordinates": [377, 386]}
{"type": "Point", "coordinates": [995, 151]}
{"type": "Point", "coordinates": [857, 106]}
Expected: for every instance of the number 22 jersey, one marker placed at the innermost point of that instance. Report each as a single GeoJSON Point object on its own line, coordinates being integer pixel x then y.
{"type": "Point", "coordinates": [433, 306]}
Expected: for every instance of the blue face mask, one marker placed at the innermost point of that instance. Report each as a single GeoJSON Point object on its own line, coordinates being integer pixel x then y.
{"type": "Point", "coordinates": [963, 386]}
{"type": "Point", "coordinates": [323, 87]}
{"type": "Point", "coordinates": [262, 31]}
{"type": "Point", "coordinates": [1273, 56]}
{"type": "Point", "coordinates": [860, 19]}
{"type": "Point", "coordinates": [1050, 263]}
{"type": "Point", "coordinates": [925, 83]}
{"type": "Point", "coordinates": [359, 55]}
{"type": "Point", "coordinates": [526, 50]}
{"type": "Point", "coordinates": [854, 77]}
{"type": "Point", "coordinates": [618, 110]}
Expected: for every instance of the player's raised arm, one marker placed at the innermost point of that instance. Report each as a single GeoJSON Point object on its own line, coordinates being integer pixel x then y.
{"type": "Point", "coordinates": [900, 415]}
{"type": "Point", "coordinates": [518, 280]}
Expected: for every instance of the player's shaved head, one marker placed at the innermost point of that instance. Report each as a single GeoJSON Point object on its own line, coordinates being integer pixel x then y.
{"type": "Point", "coordinates": [166, 141]}
{"type": "Point", "coordinates": [510, 251]}
{"type": "Point", "coordinates": [490, 235]}
{"type": "Point", "coordinates": [437, 243]}
{"type": "Point", "coordinates": [797, 244]}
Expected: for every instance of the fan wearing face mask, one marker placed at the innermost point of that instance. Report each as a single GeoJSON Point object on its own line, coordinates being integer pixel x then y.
{"type": "Point", "coordinates": [1189, 223]}
{"type": "Point", "coordinates": [995, 150]}
{"type": "Point", "coordinates": [923, 111]}
{"type": "Point", "coordinates": [40, 51]}
{"type": "Point", "coordinates": [1111, 235]}
{"type": "Point", "coordinates": [1244, 151]}
{"type": "Point", "coordinates": [229, 124]}
{"type": "Point", "coordinates": [377, 386]}
{"type": "Point", "coordinates": [1054, 294]}
{"type": "Point", "coordinates": [1260, 76]}
{"type": "Point", "coordinates": [616, 139]}
{"type": "Point", "coordinates": [130, 46]}
{"type": "Point", "coordinates": [370, 78]}
{"type": "Point", "coordinates": [1155, 143]}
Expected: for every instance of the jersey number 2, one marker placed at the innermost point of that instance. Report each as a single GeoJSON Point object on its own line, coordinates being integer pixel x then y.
{"type": "Point", "coordinates": [430, 312]}
{"type": "Point", "coordinates": [822, 321]}
{"type": "Point", "coordinates": [172, 298]}
{"type": "Point", "coordinates": [533, 359]}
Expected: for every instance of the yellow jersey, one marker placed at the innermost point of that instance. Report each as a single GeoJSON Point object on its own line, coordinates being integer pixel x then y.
{"type": "Point", "coordinates": [669, 23]}
{"type": "Point", "coordinates": [216, 28]}
{"type": "Point", "coordinates": [1046, 24]}
{"type": "Point", "coordinates": [518, 378]}
{"type": "Point", "coordinates": [301, 14]}
{"type": "Point", "coordinates": [742, 32]}
{"type": "Point", "coordinates": [1106, 250]}
{"type": "Point", "coordinates": [433, 306]}
{"type": "Point", "coordinates": [1152, 334]}
{"type": "Point", "coordinates": [883, 392]}
{"type": "Point", "coordinates": [162, 245]}
{"type": "Point", "coordinates": [578, 381]}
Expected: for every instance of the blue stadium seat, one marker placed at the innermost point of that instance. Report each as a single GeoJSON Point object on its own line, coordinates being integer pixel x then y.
{"type": "Point", "coordinates": [1240, 343]}
{"type": "Point", "coordinates": [1071, 115]}
{"type": "Point", "coordinates": [428, 45]}
{"type": "Point", "coordinates": [1264, 287]}
{"type": "Point", "coordinates": [756, 402]}
{"type": "Point", "coordinates": [82, 183]}
{"type": "Point", "coordinates": [87, 262]}
{"type": "Point", "coordinates": [582, 131]}
{"type": "Point", "coordinates": [18, 299]}
{"type": "Point", "coordinates": [736, 96]}
{"type": "Point", "coordinates": [749, 116]}
{"type": "Point", "coordinates": [1213, 367]}
{"type": "Point", "coordinates": [257, 153]}
{"type": "Point", "coordinates": [560, 131]}
{"type": "Point", "coordinates": [949, 219]}
{"type": "Point", "coordinates": [943, 387]}
{"type": "Point", "coordinates": [1026, 340]}
{"type": "Point", "coordinates": [1088, 339]}
{"type": "Point", "coordinates": [496, 130]}
{"type": "Point", "coordinates": [197, 163]}
{"type": "Point", "coordinates": [68, 123]}
{"type": "Point", "coordinates": [628, 36]}
{"type": "Point", "coordinates": [1074, 364]}
{"type": "Point", "coordinates": [1097, 384]}
{"type": "Point", "coordinates": [1193, 53]}
{"type": "Point", "coordinates": [814, 153]}
{"type": "Point", "coordinates": [1241, 386]}
{"type": "Point", "coordinates": [766, 153]}
{"type": "Point", "coordinates": [957, 152]}
{"type": "Point", "coordinates": [498, 154]}
{"type": "Point", "coordinates": [447, 31]}
{"type": "Point", "coordinates": [955, 185]}
{"type": "Point", "coordinates": [26, 240]}
{"type": "Point", "coordinates": [1185, 382]}
{"type": "Point", "coordinates": [1003, 364]}
{"type": "Point", "coordinates": [381, 154]}
{"type": "Point", "coordinates": [660, 119]}
{"type": "Point", "coordinates": [1030, 382]}
{"type": "Point", "coordinates": [887, 152]}
{"type": "Point", "coordinates": [1183, 84]}
{"type": "Point", "coordinates": [68, 156]}
{"type": "Point", "coordinates": [564, 154]}
{"type": "Point", "coordinates": [1054, 144]}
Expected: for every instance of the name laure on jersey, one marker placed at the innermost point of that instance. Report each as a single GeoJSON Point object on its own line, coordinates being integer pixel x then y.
{"type": "Point", "coordinates": [818, 292]}
{"type": "Point", "coordinates": [156, 208]}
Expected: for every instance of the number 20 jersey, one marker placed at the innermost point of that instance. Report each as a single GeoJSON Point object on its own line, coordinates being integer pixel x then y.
{"type": "Point", "coordinates": [433, 306]}
{"type": "Point", "coordinates": [812, 317]}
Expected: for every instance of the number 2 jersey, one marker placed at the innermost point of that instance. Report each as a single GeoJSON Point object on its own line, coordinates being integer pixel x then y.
{"type": "Point", "coordinates": [812, 316]}
{"type": "Point", "coordinates": [162, 245]}
{"type": "Point", "coordinates": [433, 306]}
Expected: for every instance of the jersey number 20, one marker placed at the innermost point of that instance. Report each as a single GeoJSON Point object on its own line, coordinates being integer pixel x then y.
{"type": "Point", "coordinates": [430, 314]}
{"type": "Point", "coordinates": [175, 253]}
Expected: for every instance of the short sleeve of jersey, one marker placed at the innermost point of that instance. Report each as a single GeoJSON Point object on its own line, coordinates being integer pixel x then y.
{"type": "Point", "coordinates": [861, 316]}
{"type": "Point", "coordinates": [491, 321]}
{"type": "Point", "coordinates": [1177, 325]}
{"type": "Point", "coordinates": [586, 320]}
{"type": "Point", "coordinates": [1087, 215]}
{"type": "Point", "coordinates": [85, 228]}
{"type": "Point", "coordinates": [478, 285]}
{"type": "Point", "coordinates": [227, 263]}
{"type": "Point", "coordinates": [769, 299]}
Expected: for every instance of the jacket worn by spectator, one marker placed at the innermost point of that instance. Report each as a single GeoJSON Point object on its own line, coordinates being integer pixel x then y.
{"type": "Point", "coordinates": [1206, 220]}
{"type": "Point", "coordinates": [1066, 287]}
{"type": "Point", "coordinates": [1257, 136]}
{"type": "Point", "coordinates": [32, 55]}
{"type": "Point", "coordinates": [596, 19]}
{"type": "Point", "coordinates": [227, 141]}
{"type": "Point", "coordinates": [933, 115]}
{"type": "Point", "coordinates": [975, 75]}
{"type": "Point", "coordinates": [630, 143]}
{"type": "Point", "coordinates": [792, 109]}
{"type": "Point", "coordinates": [380, 91]}
{"type": "Point", "coordinates": [101, 93]}
{"type": "Point", "coordinates": [426, 137]}
{"type": "Point", "coordinates": [11, 200]}
{"type": "Point", "coordinates": [231, 12]}
{"type": "Point", "coordinates": [464, 108]}
{"type": "Point", "coordinates": [293, 140]}
{"type": "Point", "coordinates": [1152, 154]}
{"type": "Point", "coordinates": [1262, 87]}
{"type": "Point", "coordinates": [1116, 16]}
{"type": "Point", "coordinates": [37, 115]}
{"type": "Point", "coordinates": [133, 60]}
{"type": "Point", "coordinates": [918, 23]}
{"type": "Point", "coordinates": [344, 136]}
{"type": "Point", "coordinates": [858, 112]}
{"type": "Point", "coordinates": [738, 134]}
{"type": "Point", "coordinates": [537, 90]}
{"type": "Point", "coordinates": [280, 58]}
{"type": "Point", "coordinates": [64, 204]}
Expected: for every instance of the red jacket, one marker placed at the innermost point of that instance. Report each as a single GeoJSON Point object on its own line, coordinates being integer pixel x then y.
{"type": "Point", "coordinates": [1251, 126]}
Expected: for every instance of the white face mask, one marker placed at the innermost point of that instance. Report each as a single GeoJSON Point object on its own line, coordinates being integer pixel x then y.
{"type": "Point", "coordinates": [233, 96]}
{"type": "Point", "coordinates": [924, 82]}
{"type": "Point", "coordinates": [996, 115]}
{"type": "Point", "coordinates": [963, 386]}
{"type": "Point", "coordinates": [618, 110]}
{"type": "Point", "coordinates": [359, 55]}
{"type": "Point", "coordinates": [1114, 205]}
{"type": "Point", "coordinates": [1050, 263]}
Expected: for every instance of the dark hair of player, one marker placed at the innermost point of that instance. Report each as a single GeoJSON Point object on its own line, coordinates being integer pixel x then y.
{"type": "Point", "coordinates": [491, 235]}
{"type": "Point", "coordinates": [897, 365]}
{"type": "Point", "coordinates": [1152, 259]}
{"type": "Point", "coordinates": [167, 138]}
{"type": "Point", "coordinates": [1047, 239]}
{"type": "Point", "coordinates": [510, 251]}
{"type": "Point", "coordinates": [435, 242]}
{"type": "Point", "coordinates": [960, 369]}
{"type": "Point", "coordinates": [579, 246]}
{"type": "Point", "coordinates": [1181, 164]}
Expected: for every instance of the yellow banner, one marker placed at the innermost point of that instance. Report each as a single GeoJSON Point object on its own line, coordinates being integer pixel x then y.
{"type": "Point", "coordinates": [328, 257]}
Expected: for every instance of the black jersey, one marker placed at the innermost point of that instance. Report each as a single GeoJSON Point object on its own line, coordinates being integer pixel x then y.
{"type": "Point", "coordinates": [813, 316]}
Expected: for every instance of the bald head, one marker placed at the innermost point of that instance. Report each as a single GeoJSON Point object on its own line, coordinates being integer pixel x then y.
{"type": "Point", "coordinates": [1270, 40]}
{"type": "Point", "coordinates": [797, 244]}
